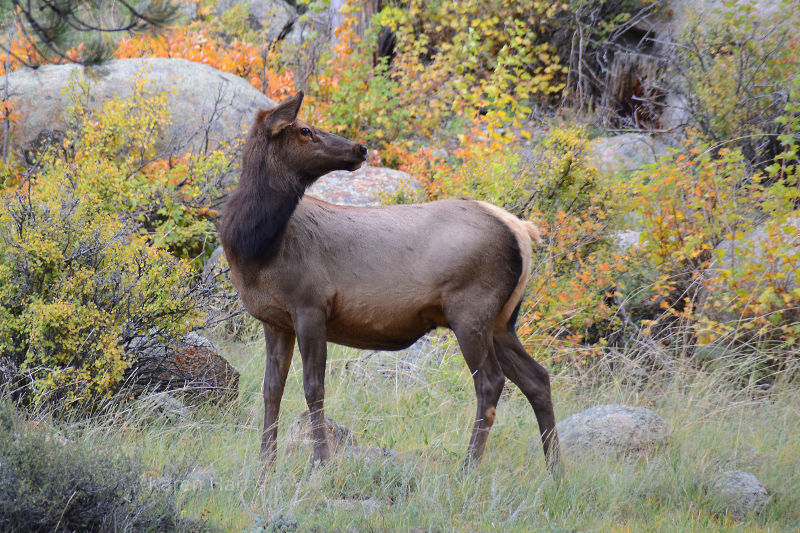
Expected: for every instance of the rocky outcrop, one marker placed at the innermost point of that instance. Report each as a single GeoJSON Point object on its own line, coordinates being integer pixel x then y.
{"type": "Point", "coordinates": [272, 18]}
{"type": "Point", "coordinates": [192, 366]}
{"type": "Point", "coordinates": [625, 153]}
{"type": "Point", "coordinates": [606, 429]}
{"type": "Point", "coordinates": [740, 493]}
{"type": "Point", "coordinates": [752, 249]}
{"type": "Point", "coordinates": [299, 437]}
{"type": "Point", "coordinates": [340, 439]}
{"type": "Point", "coordinates": [366, 186]}
{"type": "Point", "coordinates": [207, 107]}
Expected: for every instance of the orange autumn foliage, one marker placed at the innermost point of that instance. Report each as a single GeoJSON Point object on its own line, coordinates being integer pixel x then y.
{"type": "Point", "coordinates": [20, 53]}
{"type": "Point", "coordinates": [197, 44]}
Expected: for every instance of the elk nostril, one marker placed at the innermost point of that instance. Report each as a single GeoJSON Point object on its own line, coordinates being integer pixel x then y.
{"type": "Point", "coordinates": [363, 150]}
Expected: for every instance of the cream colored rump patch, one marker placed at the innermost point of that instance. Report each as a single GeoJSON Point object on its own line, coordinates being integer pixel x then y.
{"type": "Point", "coordinates": [523, 231]}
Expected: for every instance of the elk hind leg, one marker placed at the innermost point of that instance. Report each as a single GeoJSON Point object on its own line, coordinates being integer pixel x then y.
{"type": "Point", "coordinates": [487, 376]}
{"type": "Point", "coordinates": [534, 382]}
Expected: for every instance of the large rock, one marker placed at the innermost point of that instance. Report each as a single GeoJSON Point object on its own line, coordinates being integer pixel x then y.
{"type": "Point", "coordinates": [273, 18]}
{"type": "Point", "coordinates": [675, 15]}
{"type": "Point", "coordinates": [740, 493]}
{"type": "Point", "coordinates": [612, 429]}
{"type": "Point", "coordinates": [192, 366]}
{"type": "Point", "coordinates": [625, 153]}
{"type": "Point", "coordinates": [753, 250]}
{"type": "Point", "coordinates": [756, 254]}
{"type": "Point", "coordinates": [162, 406]}
{"type": "Point", "coordinates": [366, 186]}
{"type": "Point", "coordinates": [299, 436]}
{"type": "Point", "coordinates": [207, 107]}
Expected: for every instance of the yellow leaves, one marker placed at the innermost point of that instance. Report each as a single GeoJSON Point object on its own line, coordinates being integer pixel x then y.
{"type": "Point", "coordinates": [689, 202]}
{"type": "Point", "coordinates": [480, 69]}
{"type": "Point", "coordinates": [77, 272]}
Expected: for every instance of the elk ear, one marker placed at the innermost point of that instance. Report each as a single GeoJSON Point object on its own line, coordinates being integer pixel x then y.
{"type": "Point", "coordinates": [283, 115]}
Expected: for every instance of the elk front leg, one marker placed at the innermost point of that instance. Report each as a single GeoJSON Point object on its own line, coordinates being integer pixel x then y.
{"type": "Point", "coordinates": [312, 338]}
{"type": "Point", "coordinates": [280, 345]}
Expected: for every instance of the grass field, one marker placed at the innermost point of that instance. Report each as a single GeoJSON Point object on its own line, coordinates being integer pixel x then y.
{"type": "Point", "coordinates": [425, 412]}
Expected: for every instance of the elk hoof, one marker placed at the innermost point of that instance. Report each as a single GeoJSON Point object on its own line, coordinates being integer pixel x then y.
{"type": "Point", "coordinates": [321, 456]}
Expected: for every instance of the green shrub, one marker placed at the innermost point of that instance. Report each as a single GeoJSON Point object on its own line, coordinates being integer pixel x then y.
{"type": "Point", "coordinates": [723, 246]}
{"type": "Point", "coordinates": [455, 64]}
{"type": "Point", "coordinates": [90, 254]}
{"type": "Point", "coordinates": [361, 100]}
{"type": "Point", "coordinates": [733, 71]}
{"type": "Point", "coordinates": [110, 157]}
{"type": "Point", "coordinates": [571, 306]}
{"type": "Point", "coordinates": [51, 483]}
{"type": "Point", "coordinates": [75, 287]}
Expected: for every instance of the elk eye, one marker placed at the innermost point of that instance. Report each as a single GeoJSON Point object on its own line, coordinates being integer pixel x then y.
{"type": "Point", "coordinates": [306, 132]}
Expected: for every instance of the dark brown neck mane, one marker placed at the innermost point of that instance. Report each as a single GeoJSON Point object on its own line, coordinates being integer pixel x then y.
{"type": "Point", "coordinates": [258, 211]}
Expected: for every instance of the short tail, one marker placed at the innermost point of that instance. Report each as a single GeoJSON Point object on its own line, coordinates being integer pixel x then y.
{"type": "Point", "coordinates": [533, 231]}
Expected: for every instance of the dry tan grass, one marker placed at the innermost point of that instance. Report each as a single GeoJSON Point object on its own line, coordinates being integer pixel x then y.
{"type": "Point", "coordinates": [424, 410]}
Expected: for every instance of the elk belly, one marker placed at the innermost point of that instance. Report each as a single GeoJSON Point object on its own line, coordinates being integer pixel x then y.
{"type": "Point", "coordinates": [376, 327]}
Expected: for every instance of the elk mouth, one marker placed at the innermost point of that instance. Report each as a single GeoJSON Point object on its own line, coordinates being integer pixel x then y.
{"type": "Point", "coordinates": [361, 152]}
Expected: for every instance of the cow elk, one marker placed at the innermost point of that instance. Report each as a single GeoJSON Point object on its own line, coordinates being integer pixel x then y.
{"type": "Point", "coordinates": [373, 277]}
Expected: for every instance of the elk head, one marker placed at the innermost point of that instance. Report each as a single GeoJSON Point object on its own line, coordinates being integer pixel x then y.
{"type": "Point", "coordinates": [297, 150]}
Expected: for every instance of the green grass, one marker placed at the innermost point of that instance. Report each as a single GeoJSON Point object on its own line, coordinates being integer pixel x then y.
{"type": "Point", "coordinates": [426, 414]}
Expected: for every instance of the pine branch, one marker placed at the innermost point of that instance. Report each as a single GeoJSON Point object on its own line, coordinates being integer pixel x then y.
{"type": "Point", "coordinates": [55, 28]}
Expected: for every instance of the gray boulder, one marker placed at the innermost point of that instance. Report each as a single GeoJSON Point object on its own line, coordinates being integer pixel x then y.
{"type": "Point", "coordinates": [207, 107]}
{"type": "Point", "coordinates": [270, 17]}
{"type": "Point", "coordinates": [608, 429]}
{"type": "Point", "coordinates": [366, 186]}
{"type": "Point", "coordinates": [162, 406]}
{"type": "Point", "coordinates": [625, 153]}
{"type": "Point", "coordinates": [299, 437]}
{"type": "Point", "coordinates": [192, 366]}
{"type": "Point", "coordinates": [740, 493]}
{"type": "Point", "coordinates": [340, 439]}
{"type": "Point", "coordinates": [749, 250]}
